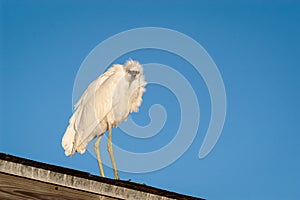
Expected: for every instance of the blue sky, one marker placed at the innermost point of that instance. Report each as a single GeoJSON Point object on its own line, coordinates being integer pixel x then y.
{"type": "Point", "coordinates": [255, 46]}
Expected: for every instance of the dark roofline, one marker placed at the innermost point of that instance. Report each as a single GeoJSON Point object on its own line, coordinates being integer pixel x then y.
{"type": "Point", "coordinates": [72, 172]}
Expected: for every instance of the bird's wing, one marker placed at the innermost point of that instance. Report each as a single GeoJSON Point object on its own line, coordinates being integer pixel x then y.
{"type": "Point", "coordinates": [105, 93]}
{"type": "Point", "coordinates": [84, 121]}
{"type": "Point", "coordinates": [96, 84]}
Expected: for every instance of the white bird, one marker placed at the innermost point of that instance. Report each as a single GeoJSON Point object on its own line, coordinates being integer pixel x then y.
{"type": "Point", "coordinates": [106, 102]}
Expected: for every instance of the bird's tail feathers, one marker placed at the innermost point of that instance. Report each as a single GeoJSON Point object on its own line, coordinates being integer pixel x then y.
{"type": "Point", "coordinates": [68, 140]}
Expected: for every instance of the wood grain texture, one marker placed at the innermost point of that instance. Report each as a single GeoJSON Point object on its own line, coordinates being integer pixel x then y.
{"type": "Point", "coordinates": [15, 187]}
{"type": "Point", "coordinates": [27, 179]}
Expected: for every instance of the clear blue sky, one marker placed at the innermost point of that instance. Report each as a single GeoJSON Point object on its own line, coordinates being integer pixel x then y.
{"type": "Point", "coordinates": [255, 45]}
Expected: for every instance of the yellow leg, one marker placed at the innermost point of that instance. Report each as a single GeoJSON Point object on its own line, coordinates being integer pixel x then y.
{"type": "Point", "coordinates": [96, 148]}
{"type": "Point", "coordinates": [111, 153]}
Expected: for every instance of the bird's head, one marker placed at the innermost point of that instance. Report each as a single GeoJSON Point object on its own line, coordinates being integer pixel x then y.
{"type": "Point", "coordinates": [133, 70]}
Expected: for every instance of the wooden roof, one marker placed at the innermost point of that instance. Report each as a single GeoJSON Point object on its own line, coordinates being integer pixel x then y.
{"type": "Point", "coordinates": [26, 179]}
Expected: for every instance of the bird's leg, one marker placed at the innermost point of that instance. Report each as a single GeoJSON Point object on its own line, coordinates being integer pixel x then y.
{"type": "Point", "coordinates": [96, 148]}
{"type": "Point", "coordinates": [111, 153]}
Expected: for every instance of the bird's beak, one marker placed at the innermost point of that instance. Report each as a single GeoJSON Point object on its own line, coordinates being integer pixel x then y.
{"type": "Point", "coordinates": [131, 80]}
{"type": "Point", "coordinates": [133, 75]}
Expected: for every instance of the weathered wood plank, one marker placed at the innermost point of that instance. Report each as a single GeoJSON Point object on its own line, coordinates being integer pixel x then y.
{"type": "Point", "coordinates": [72, 181]}
{"type": "Point", "coordinates": [14, 187]}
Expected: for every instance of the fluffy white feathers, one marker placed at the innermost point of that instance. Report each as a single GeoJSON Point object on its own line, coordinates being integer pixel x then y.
{"type": "Point", "coordinates": [108, 99]}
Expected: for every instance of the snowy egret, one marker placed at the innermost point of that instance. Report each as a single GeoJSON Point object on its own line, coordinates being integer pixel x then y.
{"type": "Point", "coordinates": [106, 103]}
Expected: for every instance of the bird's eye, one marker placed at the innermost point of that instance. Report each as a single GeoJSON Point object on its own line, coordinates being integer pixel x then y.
{"type": "Point", "coordinates": [133, 72]}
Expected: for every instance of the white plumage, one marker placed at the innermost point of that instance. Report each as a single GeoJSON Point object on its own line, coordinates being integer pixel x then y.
{"type": "Point", "coordinates": [105, 104]}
